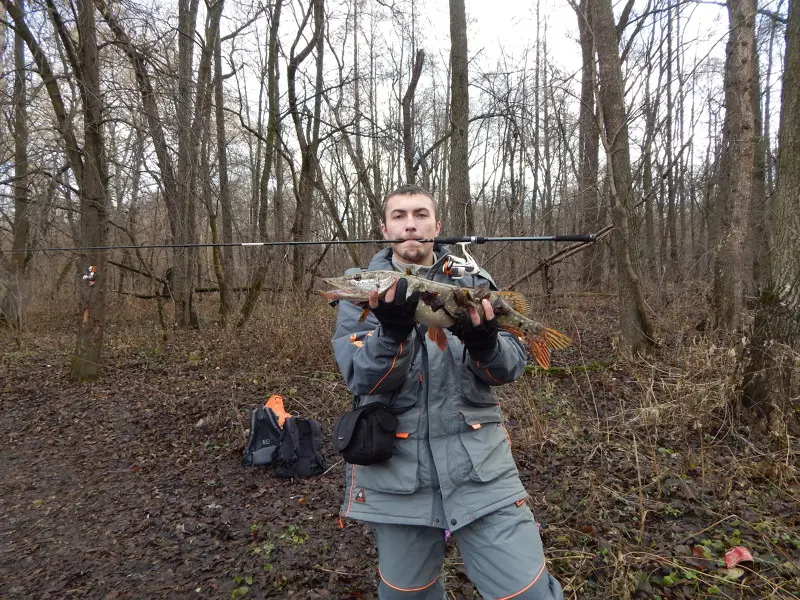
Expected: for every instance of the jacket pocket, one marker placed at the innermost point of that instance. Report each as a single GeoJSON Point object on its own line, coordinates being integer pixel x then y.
{"type": "Point", "coordinates": [399, 474]}
{"type": "Point", "coordinates": [474, 391]}
{"type": "Point", "coordinates": [486, 443]}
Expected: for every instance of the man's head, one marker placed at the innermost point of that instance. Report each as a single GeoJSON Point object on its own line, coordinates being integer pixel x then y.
{"type": "Point", "coordinates": [409, 213]}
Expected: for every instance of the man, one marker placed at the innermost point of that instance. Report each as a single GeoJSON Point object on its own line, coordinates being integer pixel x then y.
{"type": "Point", "coordinates": [452, 466]}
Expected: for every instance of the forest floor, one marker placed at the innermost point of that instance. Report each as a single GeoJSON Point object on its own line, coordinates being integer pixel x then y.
{"type": "Point", "coordinates": [132, 486]}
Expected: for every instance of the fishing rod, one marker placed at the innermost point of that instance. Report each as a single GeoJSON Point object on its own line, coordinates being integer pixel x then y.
{"type": "Point", "coordinates": [464, 239]}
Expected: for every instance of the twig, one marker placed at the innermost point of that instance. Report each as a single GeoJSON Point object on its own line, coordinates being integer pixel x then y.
{"type": "Point", "coordinates": [333, 467]}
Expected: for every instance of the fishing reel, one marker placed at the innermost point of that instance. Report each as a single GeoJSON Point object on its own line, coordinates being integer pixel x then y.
{"type": "Point", "coordinates": [456, 267]}
{"type": "Point", "coordinates": [91, 276]}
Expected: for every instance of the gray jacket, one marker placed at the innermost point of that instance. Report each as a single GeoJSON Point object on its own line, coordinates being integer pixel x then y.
{"type": "Point", "coordinates": [452, 460]}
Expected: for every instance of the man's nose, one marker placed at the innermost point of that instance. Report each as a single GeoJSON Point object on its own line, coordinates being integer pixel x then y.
{"type": "Point", "coordinates": [410, 223]}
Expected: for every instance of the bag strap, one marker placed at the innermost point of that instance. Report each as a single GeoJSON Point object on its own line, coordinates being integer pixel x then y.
{"type": "Point", "coordinates": [291, 435]}
{"type": "Point", "coordinates": [387, 405]}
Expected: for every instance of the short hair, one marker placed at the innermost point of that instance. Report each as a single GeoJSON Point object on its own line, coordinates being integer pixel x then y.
{"type": "Point", "coordinates": [408, 189]}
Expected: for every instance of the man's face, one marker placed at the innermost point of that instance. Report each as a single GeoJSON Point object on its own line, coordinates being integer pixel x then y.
{"type": "Point", "coordinates": [411, 217]}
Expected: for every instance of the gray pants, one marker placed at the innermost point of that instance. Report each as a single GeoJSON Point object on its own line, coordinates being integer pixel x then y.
{"type": "Point", "coordinates": [502, 554]}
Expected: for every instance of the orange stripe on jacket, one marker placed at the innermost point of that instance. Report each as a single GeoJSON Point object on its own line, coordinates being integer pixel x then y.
{"type": "Point", "coordinates": [478, 364]}
{"type": "Point", "coordinates": [394, 362]}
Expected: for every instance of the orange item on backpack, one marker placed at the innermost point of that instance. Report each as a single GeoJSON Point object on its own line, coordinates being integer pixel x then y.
{"type": "Point", "coordinates": [275, 403]}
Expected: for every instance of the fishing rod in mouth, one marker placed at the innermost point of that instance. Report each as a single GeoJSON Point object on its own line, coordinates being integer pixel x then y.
{"type": "Point", "coordinates": [464, 239]}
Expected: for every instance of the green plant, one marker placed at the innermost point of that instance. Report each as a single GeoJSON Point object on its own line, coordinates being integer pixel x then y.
{"type": "Point", "coordinates": [151, 358]}
{"type": "Point", "coordinates": [243, 586]}
{"type": "Point", "coordinates": [294, 536]}
{"type": "Point", "coordinates": [264, 549]}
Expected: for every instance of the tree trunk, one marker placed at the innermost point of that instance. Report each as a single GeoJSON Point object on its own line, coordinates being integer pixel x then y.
{"type": "Point", "coordinates": [735, 192]}
{"type": "Point", "coordinates": [94, 201]}
{"type": "Point", "coordinates": [185, 259]}
{"type": "Point", "coordinates": [308, 142]}
{"type": "Point", "coordinates": [588, 149]}
{"type": "Point", "coordinates": [270, 160]}
{"type": "Point", "coordinates": [635, 327]}
{"type": "Point", "coordinates": [408, 132]}
{"type": "Point", "coordinates": [770, 386]}
{"type": "Point", "coordinates": [756, 246]}
{"type": "Point", "coordinates": [462, 220]}
{"type": "Point", "coordinates": [12, 308]}
{"type": "Point", "coordinates": [225, 208]}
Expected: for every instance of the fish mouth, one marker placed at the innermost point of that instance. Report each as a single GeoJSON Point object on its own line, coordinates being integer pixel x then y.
{"type": "Point", "coordinates": [353, 288]}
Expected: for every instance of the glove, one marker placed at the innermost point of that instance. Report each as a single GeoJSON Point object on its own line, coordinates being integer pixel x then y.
{"type": "Point", "coordinates": [479, 340]}
{"type": "Point", "coordinates": [397, 317]}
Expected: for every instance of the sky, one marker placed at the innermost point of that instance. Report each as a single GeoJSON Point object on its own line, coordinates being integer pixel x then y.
{"type": "Point", "coordinates": [510, 25]}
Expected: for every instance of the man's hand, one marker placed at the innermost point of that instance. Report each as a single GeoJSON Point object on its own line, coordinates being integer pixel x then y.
{"type": "Point", "coordinates": [479, 337]}
{"type": "Point", "coordinates": [395, 312]}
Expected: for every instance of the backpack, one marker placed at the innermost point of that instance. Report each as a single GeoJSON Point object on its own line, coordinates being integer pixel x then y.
{"type": "Point", "coordinates": [300, 452]}
{"type": "Point", "coordinates": [265, 438]}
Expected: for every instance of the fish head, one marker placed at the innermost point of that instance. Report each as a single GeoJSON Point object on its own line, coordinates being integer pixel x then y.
{"type": "Point", "coordinates": [357, 287]}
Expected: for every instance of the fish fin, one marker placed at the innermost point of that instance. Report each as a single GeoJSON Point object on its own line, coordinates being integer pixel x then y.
{"type": "Point", "coordinates": [330, 294]}
{"type": "Point", "coordinates": [463, 297]}
{"type": "Point", "coordinates": [481, 291]}
{"type": "Point", "coordinates": [433, 300]}
{"type": "Point", "coordinates": [516, 300]}
{"type": "Point", "coordinates": [438, 336]}
{"type": "Point", "coordinates": [364, 314]}
{"type": "Point", "coordinates": [540, 352]}
{"type": "Point", "coordinates": [555, 339]}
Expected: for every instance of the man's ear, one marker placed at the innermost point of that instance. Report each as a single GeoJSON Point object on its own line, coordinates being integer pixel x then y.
{"type": "Point", "coordinates": [438, 227]}
{"type": "Point", "coordinates": [383, 231]}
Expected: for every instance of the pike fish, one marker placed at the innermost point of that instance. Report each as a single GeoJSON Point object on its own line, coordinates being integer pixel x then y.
{"type": "Point", "coordinates": [442, 305]}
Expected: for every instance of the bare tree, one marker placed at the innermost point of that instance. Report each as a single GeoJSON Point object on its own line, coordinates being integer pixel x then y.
{"type": "Point", "coordinates": [462, 219]}
{"type": "Point", "coordinates": [225, 207]}
{"type": "Point", "coordinates": [770, 385]}
{"type": "Point", "coordinates": [408, 134]}
{"type": "Point", "coordinates": [88, 164]}
{"type": "Point", "coordinates": [736, 185]}
{"type": "Point", "coordinates": [588, 148]}
{"type": "Point", "coordinates": [184, 256]}
{"type": "Point", "coordinates": [635, 326]}
{"type": "Point", "coordinates": [308, 140]}
{"type": "Point", "coordinates": [13, 305]}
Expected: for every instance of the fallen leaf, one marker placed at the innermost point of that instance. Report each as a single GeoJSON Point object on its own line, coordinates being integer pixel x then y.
{"type": "Point", "coordinates": [736, 555]}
